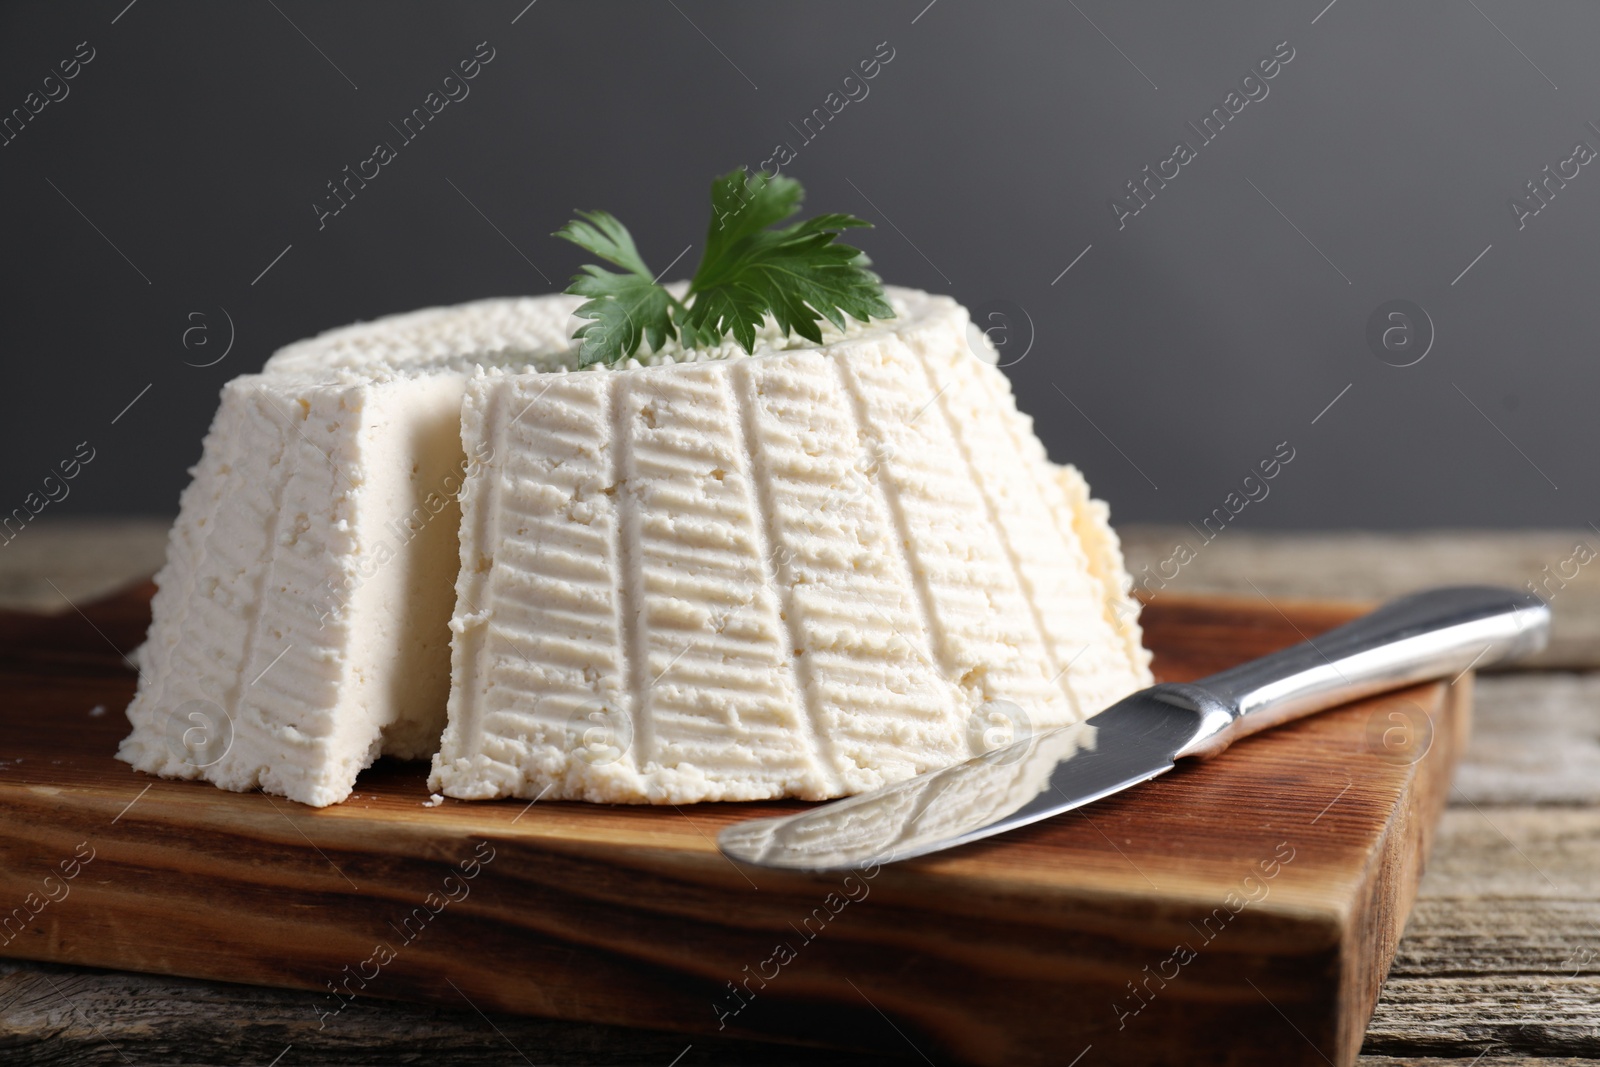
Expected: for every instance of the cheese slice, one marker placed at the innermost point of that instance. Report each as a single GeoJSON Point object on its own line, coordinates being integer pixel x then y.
{"type": "Point", "coordinates": [807, 573]}
{"type": "Point", "coordinates": [300, 629]}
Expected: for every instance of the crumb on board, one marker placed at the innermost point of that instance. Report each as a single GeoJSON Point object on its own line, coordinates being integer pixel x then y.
{"type": "Point", "coordinates": [433, 801]}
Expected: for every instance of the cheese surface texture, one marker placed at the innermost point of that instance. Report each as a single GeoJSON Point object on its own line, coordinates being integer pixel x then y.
{"type": "Point", "coordinates": [806, 573]}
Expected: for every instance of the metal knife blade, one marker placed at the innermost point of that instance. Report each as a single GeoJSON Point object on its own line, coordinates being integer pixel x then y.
{"type": "Point", "coordinates": [1435, 634]}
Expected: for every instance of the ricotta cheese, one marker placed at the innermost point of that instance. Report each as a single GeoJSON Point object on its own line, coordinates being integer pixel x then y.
{"type": "Point", "coordinates": [805, 574]}
{"type": "Point", "coordinates": [693, 576]}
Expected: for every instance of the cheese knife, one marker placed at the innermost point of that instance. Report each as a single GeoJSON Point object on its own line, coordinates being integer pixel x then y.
{"type": "Point", "coordinates": [1439, 633]}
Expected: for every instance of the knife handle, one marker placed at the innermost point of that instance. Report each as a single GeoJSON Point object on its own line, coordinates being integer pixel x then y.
{"type": "Point", "coordinates": [1440, 633]}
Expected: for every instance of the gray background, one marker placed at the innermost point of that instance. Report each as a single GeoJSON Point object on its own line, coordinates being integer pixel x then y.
{"type": "Point", "coordinates": [1173, 356]}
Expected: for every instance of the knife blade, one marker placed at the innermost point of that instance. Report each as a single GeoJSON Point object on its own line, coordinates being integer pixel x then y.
{"type": "Point", "coordinates": [1439, 633]}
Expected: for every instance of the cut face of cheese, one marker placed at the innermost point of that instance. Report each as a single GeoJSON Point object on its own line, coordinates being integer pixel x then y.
{"type": "Point", "coordinates": [804, 574]}
{"type": "Point", "coordinates": [315, 545]}
{"type": "Point", "coordinates": [300, 629]}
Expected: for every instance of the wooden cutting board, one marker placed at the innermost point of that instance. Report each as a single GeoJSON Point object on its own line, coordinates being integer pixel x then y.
{"type": "Point", "coordinates": [1240, 911]}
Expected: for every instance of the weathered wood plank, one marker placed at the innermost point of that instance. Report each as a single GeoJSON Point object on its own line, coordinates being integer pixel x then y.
{"type": "Point", "coordinates": [173, 1022]}
{"type": "Point", "coordinates": [55, 1016]}
{"type": "Point", "coordinates": [1376, 566]}
{"type": "Point", "coordinates": [1505, 936]}
{"type": "Point", "coordinates": [1441, 1015]}
{"type": "Point", "coordinates": [1474, 1059]}
{"type": "Point", "coordinates": [1527, 853]}
{"type": "Point", "coordinates": [1503, 948]}
{"type": "Point", "coordinates": [82, 559]}
{"type": "Point", "coordinates": [1535, 740]}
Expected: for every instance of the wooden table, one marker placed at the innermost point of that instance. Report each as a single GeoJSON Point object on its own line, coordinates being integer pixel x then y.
{"type": "Point", "coordinates": [1500, 964]}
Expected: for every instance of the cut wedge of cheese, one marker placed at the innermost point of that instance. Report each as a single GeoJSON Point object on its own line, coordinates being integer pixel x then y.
{"type": "Point", "coordinates": [300, 627]}
{"type": "Point", "coordinates": [807, 573]}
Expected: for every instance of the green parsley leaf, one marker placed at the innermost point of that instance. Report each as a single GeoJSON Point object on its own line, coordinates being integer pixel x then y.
{"type": "Point", "coordinates": [741, 206]}
{"type": "Point", "coordinates": [623, 308]}
{"type": "Point", "coordinates": [600, 232]}
{"type": "Point", "coordinates": [799, 275]}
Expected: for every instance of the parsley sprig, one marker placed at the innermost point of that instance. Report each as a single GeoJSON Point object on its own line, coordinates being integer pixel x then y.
{"type": "Point", "coordinates": [799, 274]}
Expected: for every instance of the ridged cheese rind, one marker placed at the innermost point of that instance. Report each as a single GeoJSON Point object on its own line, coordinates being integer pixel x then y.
{"type": "Point", "coordinates": [806, 574]}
